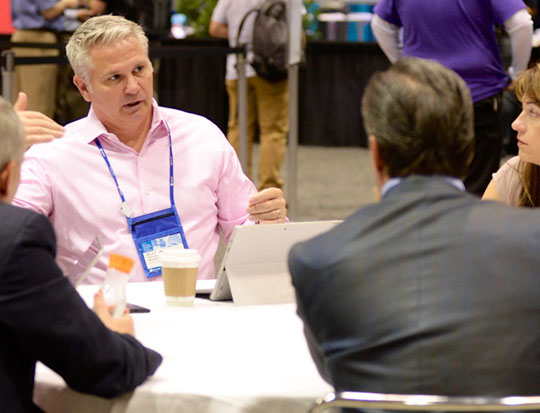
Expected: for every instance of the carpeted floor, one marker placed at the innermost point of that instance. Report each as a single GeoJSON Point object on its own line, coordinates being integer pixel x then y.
{"type": "Point", "coordinates": [332, 182]}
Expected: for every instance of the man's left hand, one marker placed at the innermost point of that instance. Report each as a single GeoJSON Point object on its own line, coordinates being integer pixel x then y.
{"type": "Point", "coordinates": [268, 207]}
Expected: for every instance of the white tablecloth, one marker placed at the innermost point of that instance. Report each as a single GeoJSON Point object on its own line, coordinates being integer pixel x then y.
{"type": "Point", "coordinates": [217, 357]}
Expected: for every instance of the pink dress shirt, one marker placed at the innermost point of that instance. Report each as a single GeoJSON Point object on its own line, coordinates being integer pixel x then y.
{"type": "Point", "coordinates": [68, 181]}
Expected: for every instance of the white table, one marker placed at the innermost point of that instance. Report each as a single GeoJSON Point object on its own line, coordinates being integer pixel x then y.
{"type": "Point", "coordinates": [217, 357]}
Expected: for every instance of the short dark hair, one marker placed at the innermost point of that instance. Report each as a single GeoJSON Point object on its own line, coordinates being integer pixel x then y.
{"type": "Point", "coordinates": [421, 115]}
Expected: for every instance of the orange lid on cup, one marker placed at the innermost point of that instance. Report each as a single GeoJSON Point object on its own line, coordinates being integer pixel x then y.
{"type": "Point", "coordinates": [121, 262]}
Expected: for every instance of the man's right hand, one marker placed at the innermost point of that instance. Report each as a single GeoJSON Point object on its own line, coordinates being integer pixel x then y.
{"type": "Point", "coordinates": [38, 127]}
{"type": "Point", "coordinates": [122, 325]}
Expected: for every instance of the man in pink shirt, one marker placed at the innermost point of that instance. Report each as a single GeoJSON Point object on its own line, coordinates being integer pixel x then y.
{"type": "Point", "coordinates": [131, 166]}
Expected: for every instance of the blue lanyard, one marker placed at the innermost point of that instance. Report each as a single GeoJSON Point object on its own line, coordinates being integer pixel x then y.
{"type": "Point", "coordinates": [171, 170]}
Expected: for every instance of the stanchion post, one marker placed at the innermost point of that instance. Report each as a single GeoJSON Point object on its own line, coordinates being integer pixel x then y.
{"type": "Point", "coordinates": [294, 58]}
{"type": "Point", "coordinates": [8, 73]}
{"type": "Point", "coordinates": [242, 110]}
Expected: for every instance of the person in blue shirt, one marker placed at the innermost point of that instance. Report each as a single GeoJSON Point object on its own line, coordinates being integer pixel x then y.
{"type": "Point", "coordinates": [38, 21]}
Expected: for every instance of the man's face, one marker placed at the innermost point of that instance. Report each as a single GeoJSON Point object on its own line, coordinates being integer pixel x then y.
{"type": "Point", "coordinates": [527, 126]}
{"type": "Point", "coordinates": [120, 84]}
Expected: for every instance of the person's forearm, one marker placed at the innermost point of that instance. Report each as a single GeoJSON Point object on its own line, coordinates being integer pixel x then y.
{"type": "Point", "coordinates": [97, 7]}
{"type": "Point", "coordinates": [218, 30]}
{"type": "Point", "coordinates": [519, 28]}
{"type": "Point", "coordinates": [387, 36]}
{"type": "Point", "coordinates": [59, 8]}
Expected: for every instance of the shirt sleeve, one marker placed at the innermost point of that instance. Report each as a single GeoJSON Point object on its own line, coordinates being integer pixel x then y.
{"type": "Point", "coordinates": [220, 12]}
{"type": "Point", "coordinates": [504, 9]}
{"type": "Point", "coordinates": [233, 192]}
{"type": "Point", "coordinates": [520, 28]}
{"type": "Point", "coordinates": [35, 190]}
{"type": "Point", "coordinates": [387, 36]}
{"type": "Point", "coordinates": [387, 10]}
{"type": "Point", "coordinates": [46, 4]}
{"type": "Point", "coordinates": [45, 314]}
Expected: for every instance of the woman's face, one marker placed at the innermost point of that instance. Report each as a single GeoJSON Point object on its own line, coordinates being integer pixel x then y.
{"type": "Point", "coordinates": [527, 126]}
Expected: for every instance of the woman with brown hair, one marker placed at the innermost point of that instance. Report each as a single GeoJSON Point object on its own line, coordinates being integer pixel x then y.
{"type": "Point", "coordinates": [517, 182]}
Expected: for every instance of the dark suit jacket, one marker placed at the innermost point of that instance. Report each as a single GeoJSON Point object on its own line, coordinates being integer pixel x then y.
{"type": "Point", "coordinates": [43, 318]}
{"type": "Point", "coordinates": [429, 291]}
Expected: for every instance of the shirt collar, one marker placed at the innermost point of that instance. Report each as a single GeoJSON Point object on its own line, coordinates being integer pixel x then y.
{"type": "Point", "coordinates": [96, 129]}
{"type": "Point", "coordinates": [393, 182]}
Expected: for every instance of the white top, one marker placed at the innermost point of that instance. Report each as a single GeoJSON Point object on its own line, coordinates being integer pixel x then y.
{"type": "Point", "coordinates": [231, 13]}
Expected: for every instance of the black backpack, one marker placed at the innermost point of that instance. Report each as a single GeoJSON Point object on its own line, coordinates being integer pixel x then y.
{"type": "Point", "coordinates": [269, 40]}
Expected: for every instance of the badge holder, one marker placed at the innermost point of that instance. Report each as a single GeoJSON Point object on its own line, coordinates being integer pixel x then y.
{"type": "Point", "coordinates": [153, 233]}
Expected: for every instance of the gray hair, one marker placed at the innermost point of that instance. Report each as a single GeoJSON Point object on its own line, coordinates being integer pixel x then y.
{"type": "Point", "coordinates": [100, 30]}
{"type": "Point", "coordinates": [421, 115]}
{"type": "Point", "coordinates": [12, 135]}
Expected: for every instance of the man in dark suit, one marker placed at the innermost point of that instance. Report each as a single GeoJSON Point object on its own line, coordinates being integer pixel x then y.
{"type": "Point", "coordinates": [429, 290]}
{"type": "Point", "coordinates": [42, 317]}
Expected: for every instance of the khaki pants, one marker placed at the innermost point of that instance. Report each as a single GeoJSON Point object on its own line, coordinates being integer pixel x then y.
{"type": "Point", "coordinates": [268, 104]}
{"type": "Point", "coordinates": [37, 81]}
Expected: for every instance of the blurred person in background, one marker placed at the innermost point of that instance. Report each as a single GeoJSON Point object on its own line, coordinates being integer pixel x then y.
{"type": "Point", "coordinates": [70, 105]}
{"type": "Point", "coordinates": [267, 102]}
{"type": "Point", "coordinates": [38, 21]}
{"type": "Point", "coordinates": [510, 106]}
{"type": "Point", "coordinates": [467, 45]}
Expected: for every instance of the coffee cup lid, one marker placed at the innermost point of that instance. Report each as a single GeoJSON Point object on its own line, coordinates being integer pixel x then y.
{"type": "Point", "coordinates": [180, 257]}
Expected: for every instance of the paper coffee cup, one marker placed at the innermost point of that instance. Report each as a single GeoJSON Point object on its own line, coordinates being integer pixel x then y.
{"type": "Point", "coordinates": [180, 268]}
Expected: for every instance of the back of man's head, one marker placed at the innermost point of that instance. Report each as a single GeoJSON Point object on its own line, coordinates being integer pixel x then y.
{"type": "Point", "coordinates": [12, 136]}
{"type": "Point", "coordinates": [12, 144]}
{"type": "Point", "coordinates": [421, 115]}
{"type": "Point", "coordinates": [100, 30]}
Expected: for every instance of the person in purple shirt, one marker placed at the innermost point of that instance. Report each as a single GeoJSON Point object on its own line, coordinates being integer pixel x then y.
{"type": "Point", "coordinates": [460, 35]}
